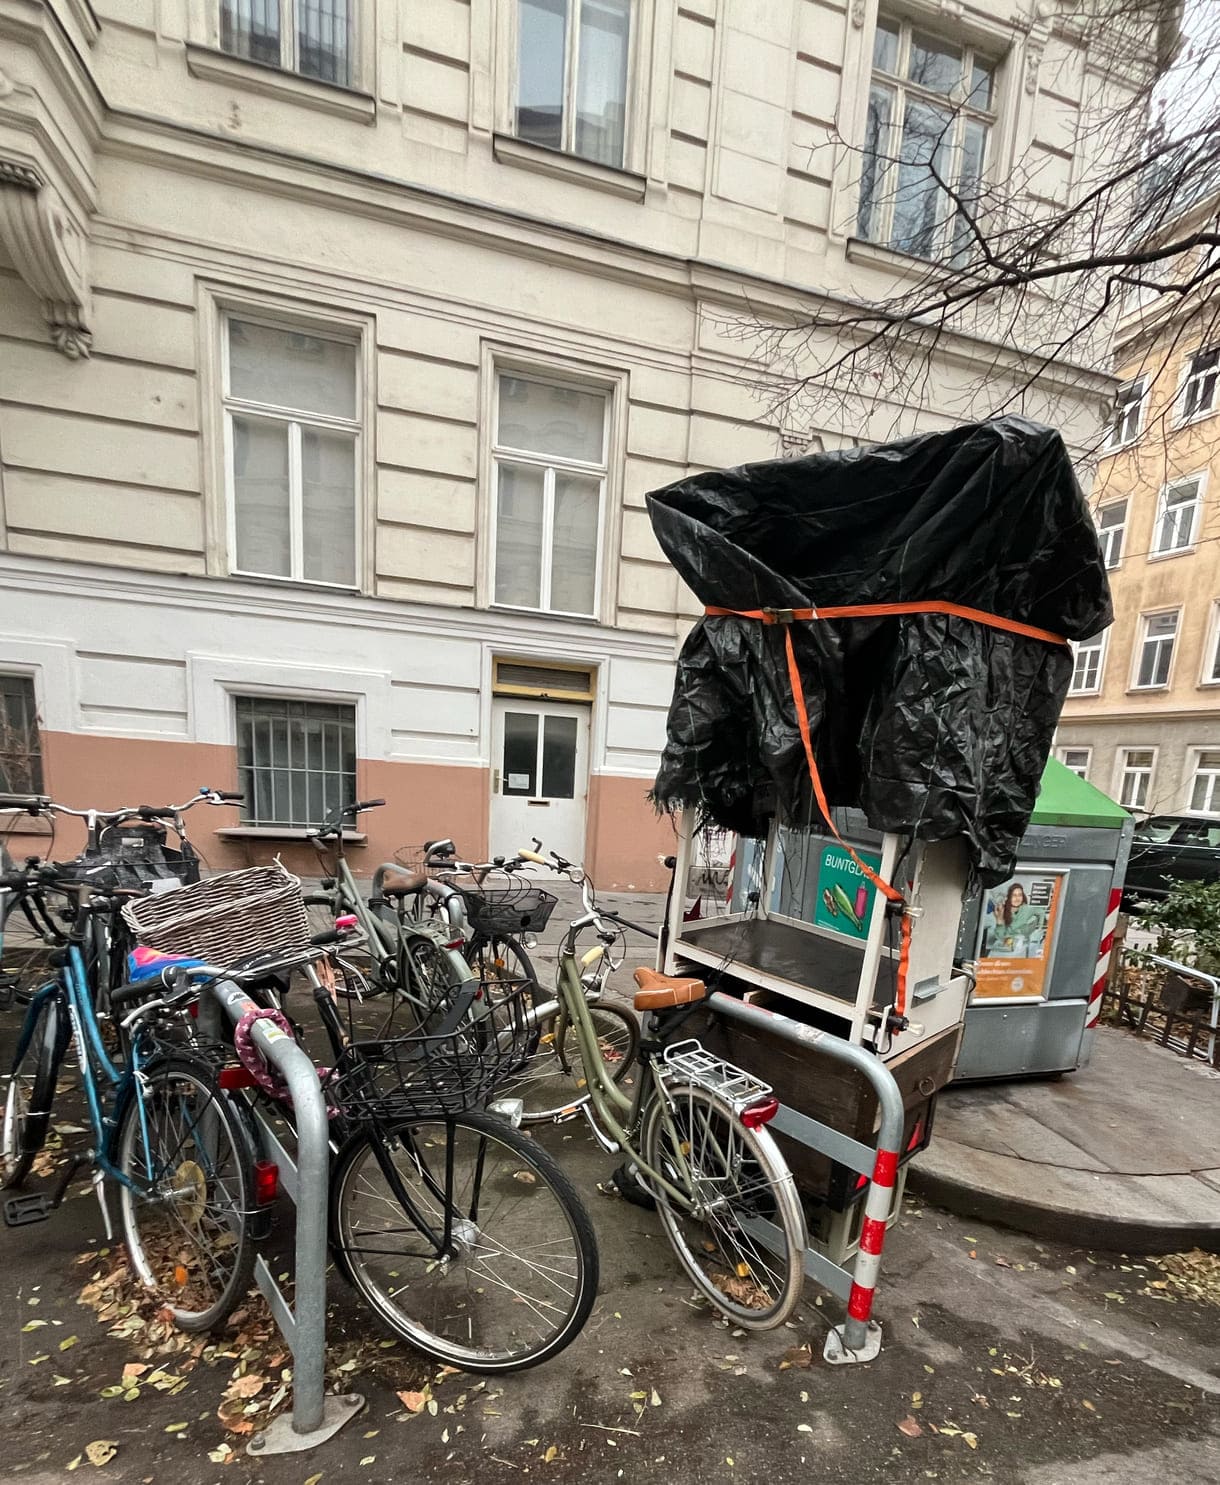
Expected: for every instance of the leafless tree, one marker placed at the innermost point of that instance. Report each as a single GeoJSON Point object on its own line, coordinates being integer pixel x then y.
{"type": "Point", "coordinates": [1030, 271]}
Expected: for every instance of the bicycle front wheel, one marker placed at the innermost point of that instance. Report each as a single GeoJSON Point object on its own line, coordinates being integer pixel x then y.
{"type": "Point", "coordinates": [30, 1091]}
{"type": "Point", "coordinates": [554, 1080]}
{"type": "Point", "coordinates": [743, 1245]}
{"type": "Point", "coordinates": [466, 1239]}
{"type": "Point", "coordinates": [188, 1192]}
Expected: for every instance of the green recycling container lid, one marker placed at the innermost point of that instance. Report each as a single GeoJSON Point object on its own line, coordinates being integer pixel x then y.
{"type": "Point", "coordinates": [1067, 799]}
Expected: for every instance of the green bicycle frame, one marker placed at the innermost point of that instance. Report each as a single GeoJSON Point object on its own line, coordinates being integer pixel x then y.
{"type": "Point", "coordinates": [608, 1099]}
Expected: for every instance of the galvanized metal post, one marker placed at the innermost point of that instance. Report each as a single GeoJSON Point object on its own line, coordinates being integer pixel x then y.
{"type": "Point", "coordinates": [858, 1338]}
{"type": "Point", "coordinates": [315, 1417]}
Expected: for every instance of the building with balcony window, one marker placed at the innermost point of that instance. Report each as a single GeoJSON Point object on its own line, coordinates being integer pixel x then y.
{"type": "Point", "coordinates": [1142, 720]}
{"type": "Point", "coordinates": [341, 340]}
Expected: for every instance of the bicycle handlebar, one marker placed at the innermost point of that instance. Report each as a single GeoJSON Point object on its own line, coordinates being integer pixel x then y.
{"type": "Point", "coordinates": [332, 824]}
{"type": "Point", "coordinates": [41, 805]}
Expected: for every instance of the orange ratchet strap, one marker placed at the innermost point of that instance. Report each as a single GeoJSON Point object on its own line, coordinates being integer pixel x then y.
{"type": "Point", "coordinates": [787, 616]}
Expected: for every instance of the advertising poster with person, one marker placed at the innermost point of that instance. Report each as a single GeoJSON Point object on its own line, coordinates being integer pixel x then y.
{"type": "Point", "coordinates": [1017, 935]}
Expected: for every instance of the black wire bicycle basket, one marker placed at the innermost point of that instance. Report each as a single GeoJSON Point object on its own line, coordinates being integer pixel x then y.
{"type": "Point", "coordinates": [517, 907]}
{"type": "Point", "coordinates": [426, 1075]}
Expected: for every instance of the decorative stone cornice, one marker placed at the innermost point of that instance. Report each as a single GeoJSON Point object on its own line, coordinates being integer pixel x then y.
{"type": "Point", "coordinates": [49, 251]}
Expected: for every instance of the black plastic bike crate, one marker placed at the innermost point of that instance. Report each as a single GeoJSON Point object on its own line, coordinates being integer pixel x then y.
{"type": "Point", "coordinates": [137, 856]}
{"type": "Point", "coordinates": [497, 911]}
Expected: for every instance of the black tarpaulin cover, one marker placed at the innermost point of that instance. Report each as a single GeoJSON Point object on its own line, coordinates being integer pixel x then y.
{"type": "Point", "coordinates": [932, 724]}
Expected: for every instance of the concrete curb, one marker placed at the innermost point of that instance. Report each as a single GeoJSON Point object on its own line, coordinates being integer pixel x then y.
{"type": "Point", "coordinates": [1126, 1213]}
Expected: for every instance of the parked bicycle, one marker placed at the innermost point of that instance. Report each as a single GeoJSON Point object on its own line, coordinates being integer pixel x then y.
{"type": "Point", "coordinates": [161, 1128]}
{"type": "Point", "coordinates": [692, 1130]}
{"type": "Point", "coordinates": [460, 1232]}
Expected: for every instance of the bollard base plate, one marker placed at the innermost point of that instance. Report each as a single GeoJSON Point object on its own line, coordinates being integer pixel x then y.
{"type": "Point", "coordinates": [279, 1437]}
{"type": "Point", "coordinates": [837, 1354]}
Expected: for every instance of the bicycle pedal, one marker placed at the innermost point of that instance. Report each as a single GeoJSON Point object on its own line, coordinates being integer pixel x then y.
{"type": "Point", "coordinates": [21, 1211]}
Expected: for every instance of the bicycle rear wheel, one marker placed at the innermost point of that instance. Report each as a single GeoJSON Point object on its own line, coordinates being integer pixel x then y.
{"type": "Point", "coordinates": [515, 1281]}
{"type": "Point", "coordinates": [494, 959]}
{"type": "Point", "coordinates": [186, 1214]}
{"type": "Point", "coordinates": [30, 1091]}
{"type": "Point", "coordinates": [744, 1191]}
{"type": "Point", "coordinates": [554, 1080]}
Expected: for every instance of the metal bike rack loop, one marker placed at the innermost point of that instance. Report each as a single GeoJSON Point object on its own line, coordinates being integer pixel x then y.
{"type": "Point", "coordinates": [858, 1338]}
{"type": "Point", "coordinates": [315, 1417]}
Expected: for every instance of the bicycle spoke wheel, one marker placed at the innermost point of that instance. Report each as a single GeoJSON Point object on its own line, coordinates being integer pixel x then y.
{"type": "Point", "coordinates": [743, 1192]}
{"type": "Point", "coordinates": [502, 959]}
{"type": "Point", "coordinates": [29, 1093]}
{"type": "Point", "coordinates": [513, 1280]}
{"type": "Point", "coordinates": [186, 1215]}
{"type": "Point", "coordinates": [554, 1081]}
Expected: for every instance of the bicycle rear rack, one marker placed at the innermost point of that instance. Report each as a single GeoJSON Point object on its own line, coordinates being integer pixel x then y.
{"type": "Point", "coordinates": [694, 1062]}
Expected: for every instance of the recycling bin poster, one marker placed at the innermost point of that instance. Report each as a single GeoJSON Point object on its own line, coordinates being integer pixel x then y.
{"type": "Point", "coordinates": [844, 894]}
{"type": "Point", "coordinates": [1017, 936]}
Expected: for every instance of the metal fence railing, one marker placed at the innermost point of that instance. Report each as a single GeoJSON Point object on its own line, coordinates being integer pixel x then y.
{"type": "Point", "coordinates": [1174, 1004]}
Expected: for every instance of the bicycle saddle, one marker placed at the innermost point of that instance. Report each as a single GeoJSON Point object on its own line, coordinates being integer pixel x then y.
{"type": "Point", "coordinates": [659, 992]}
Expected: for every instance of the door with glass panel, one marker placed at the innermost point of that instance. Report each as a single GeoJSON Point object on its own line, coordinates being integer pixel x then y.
{"type": "Point", "coordinates": [539, 776]}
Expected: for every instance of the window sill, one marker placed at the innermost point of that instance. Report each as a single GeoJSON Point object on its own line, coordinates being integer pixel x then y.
{"type": "Point", "coordinates": [1199, 417]}
{"type": "Point", "coordinates": [1177, 552]}
{"type": "Point", "coordinates": [1146, 690]}
{"type": "Point", "coordinates": [309, 585]}
{"type": "Point", "coordinates": [512, 151]}
{"type": "Point", "coordinates": [211, 65]}
{"type": "Point", "coordinates": [544, 613]}
{"type": "Point", "coordinates": [282, 832]}
{"type": "Point", "coordinates": [877, 255]}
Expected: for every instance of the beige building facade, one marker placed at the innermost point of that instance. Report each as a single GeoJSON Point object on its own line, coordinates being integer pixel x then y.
{"type": "Point", "coordinates": [1142, 720]}
{"type": "Point", "coordinates": [341, 340]}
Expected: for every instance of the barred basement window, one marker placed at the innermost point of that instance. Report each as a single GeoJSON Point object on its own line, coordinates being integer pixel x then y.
{"type": "Point", "coordinates": [20, 743]}
{"type": "Point", "coordinates": [296, 760]}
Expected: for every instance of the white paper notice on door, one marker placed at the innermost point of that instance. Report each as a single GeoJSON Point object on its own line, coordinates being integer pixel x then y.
{"type": "Point", "coordinates": [518, 781]}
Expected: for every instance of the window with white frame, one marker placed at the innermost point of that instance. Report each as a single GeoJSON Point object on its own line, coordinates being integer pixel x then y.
{"type": "Point", "coordinates": [1155, 656]}
{"type": "Point", "coordinates": [1111, 528]}
{"type": "Point", "coordinates": [296, 759]}
{"type": "Point", "coordinates": [930, 112]}
{"type": "Point", "coordinates": [1211, 666]}
{"type": "Point", "coordinates": [1135, 777]}
{"type": "Point", "coordinates": [312, 37]}
{"type": "Point", "coordinates": [573, 64]}
{"type": "Point", "coordinates": [20, 740]}
{"type": "Point", "coordinates": [1089, 657]}
{"type": "Point", "coordinates": [292, 438]}
{"type": "Point", "coordinates": [1205, 785]}
{"type": "Point", "coordinates": [1077, 760]}
{"type": "Point", "coordinates": [1177, 516]}
{"type": "Point", "coordinates": [1128, 420]}
{"type": "Point", "coordinates": [1200, 384]}
{"type": "Point", "coordinates": [549, 457]}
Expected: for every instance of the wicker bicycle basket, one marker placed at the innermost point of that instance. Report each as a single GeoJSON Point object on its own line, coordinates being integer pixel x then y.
{"type": "Point", "coordinates": [226, 918]}
{"type": "Point", "coordinates": [422, 1076]}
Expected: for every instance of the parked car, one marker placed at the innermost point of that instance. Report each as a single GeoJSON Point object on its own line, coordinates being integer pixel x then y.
{"type": "Point", "coordinates": [1171, 848]}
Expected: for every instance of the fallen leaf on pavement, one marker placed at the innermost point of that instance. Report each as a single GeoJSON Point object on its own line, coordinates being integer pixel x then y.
{"type": "Point", "coordinates": [971, 1439]}
{"type": "Point", "coordinates": [101, 1451]}
{"type": "Point", "coordinates": [800, 1357]}
{"type": "Point", "coordinates": [414, 1402]}
{"type": "Point", "coordinates": [910, 1427]}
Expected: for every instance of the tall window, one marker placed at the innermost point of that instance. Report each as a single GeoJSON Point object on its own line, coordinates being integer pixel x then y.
{"type": "Point", "coordinates": [1128, 421]}
{"type": "Point", "coordinates": [1135, 777]}
{"type": "Point", "coordinates": [573, 59]}
{"type": "Point", "coordinates": [930, 110]}
{"type": "Point", "coordinates": [292, 433]}
{"type": "Point", "coordinates": [1205, 786]}
{"type": "Point", "coordinates": [1076, 760]}
{"type": "Point", "coordinates": [1086, 670]}
{"type": "Point", "coordinates": [1177, 516]}
{"type": "Point", "coordinates": [20, 743]}
{"type": "Point", "coordinates": [550, 474]}
{"type": "Point", "coordinates": [312, 37]}
{"type": "Point", "coordinates": [1156, 650]}
{"type": "Point", "coordinates": [1111, 527]}
{"type": "Point", "coordinates": [1211, 669]}
{"type": "Point", "coordinates": [296, 760]}
{"type": "Point", "coordinates": [1200, 386]}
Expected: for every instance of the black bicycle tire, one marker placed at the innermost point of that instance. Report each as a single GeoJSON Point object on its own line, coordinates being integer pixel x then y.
{"type": "Point", "coordinates": [243, 1270]}
{"type": "Point", "coordinates": [529, 1153]}
{"type": "Point", "coordinates": [46, 1045]}
{"type": "Point", "coordinates": [482, 942]}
